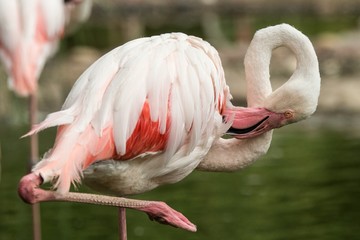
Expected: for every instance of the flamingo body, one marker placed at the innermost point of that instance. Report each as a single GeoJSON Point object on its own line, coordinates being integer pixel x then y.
{"type": "Point", "coordinates": [29, 32]}
{"type": "Point", "coordinates": [153, 104]}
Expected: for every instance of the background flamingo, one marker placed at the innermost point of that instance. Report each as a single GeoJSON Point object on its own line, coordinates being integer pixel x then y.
{"type": "Point", "coordinates": [29, 35]}
{"type": "Point", "coordinates": [158, 106]}
{"type": "Point", "coordinates": [29, 32]}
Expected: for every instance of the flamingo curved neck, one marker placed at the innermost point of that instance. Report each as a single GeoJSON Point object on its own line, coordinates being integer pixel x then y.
{"type": "Point", "coordinates": [258, 56]}
{"type": "Point", "coordinates": [239, 153]}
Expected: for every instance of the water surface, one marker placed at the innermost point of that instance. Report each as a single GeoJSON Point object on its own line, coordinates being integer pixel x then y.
{"type": "Point", "coordinates": [306, 187]}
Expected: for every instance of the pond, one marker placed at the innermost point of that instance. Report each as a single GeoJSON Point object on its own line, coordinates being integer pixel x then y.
{"type": "Point", "coordinates": [306, 187]}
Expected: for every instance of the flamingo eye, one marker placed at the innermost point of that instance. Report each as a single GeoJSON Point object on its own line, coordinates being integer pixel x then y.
{"type": "Point", "coordinates": [288, 114]}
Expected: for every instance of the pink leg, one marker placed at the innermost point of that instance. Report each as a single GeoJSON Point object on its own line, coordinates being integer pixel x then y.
{"type": "Point", "coordinates": [34, 146]}
{"type": "Point", "coordinates": [30, 192]}
{"type": "Point", "coordinates": [34, 156]}
{"type": "Point", "coordinates": [122, 223]}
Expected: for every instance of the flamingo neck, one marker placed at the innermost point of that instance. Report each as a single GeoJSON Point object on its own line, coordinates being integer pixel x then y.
{"type": "Point", "coordinates": [258, 56]}
{"type": "Point", "coordinates": [228, 155]}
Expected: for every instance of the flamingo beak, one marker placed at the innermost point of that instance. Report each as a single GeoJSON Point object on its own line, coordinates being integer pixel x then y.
{"type": "Point", "coordinates": [252, 122]}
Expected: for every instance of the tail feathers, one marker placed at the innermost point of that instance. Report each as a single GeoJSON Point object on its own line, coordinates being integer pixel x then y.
{"type": "Point", "coordinates": [22, 73]}
{"type": "Point", "coordinates": [63, 164]}
{"type": "Point", "coordinates": [72, 153]}
{"type": "Point", "coordinates": [22, 87]}
{"type": "Point", "coordinates": [61, 174]}
{"type": "Point", "coordinates": [71, 172]}
{"type": "Point", "coordinates": [54, 119]}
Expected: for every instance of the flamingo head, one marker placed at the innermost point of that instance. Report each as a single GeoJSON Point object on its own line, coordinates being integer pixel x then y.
{"type": "Point", "coordinates": [292, 102]}
{"type": "Point", "coordinates": [297, 98]}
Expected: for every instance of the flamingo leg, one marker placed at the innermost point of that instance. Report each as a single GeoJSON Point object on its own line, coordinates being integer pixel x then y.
{"type": "Point", "coordinates": [30, 192]}
{"type": "Point", "coordinates": [122, 223]}
{"type": "Point", "coordinates": [34, 145]}
{"type": "Point", "coordinates": [34, 157]}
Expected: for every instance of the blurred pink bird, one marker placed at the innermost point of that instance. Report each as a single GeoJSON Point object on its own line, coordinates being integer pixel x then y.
{"type": "Point", "coordinates": [29, 33]}
{"type": "Point", "coordinates": [154, 109]}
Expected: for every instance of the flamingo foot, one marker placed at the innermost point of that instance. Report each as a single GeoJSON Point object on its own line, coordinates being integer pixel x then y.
{"type": "Point", "coordinates": [31, 193]}
{"type": "Point", "coordinates": [162, 213]}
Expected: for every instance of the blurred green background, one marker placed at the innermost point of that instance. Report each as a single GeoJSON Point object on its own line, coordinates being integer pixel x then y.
{"type": "Point", "coordinates": [306, 187]}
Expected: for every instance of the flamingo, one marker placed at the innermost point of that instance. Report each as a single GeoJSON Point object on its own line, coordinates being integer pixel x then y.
{"type": "Point", "coordinates": [29, 35]}
{"type": "Point", "coordinates": [29, 32]}
{"type": "Point", "coordinates": [153, 110]}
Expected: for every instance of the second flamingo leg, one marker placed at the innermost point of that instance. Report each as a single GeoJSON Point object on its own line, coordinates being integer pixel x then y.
{"type": "Point", "coordinates": [122, 223]}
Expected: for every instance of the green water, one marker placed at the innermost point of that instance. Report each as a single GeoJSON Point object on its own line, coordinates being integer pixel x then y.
{"type": "Point", "coordinates": [307, 187]}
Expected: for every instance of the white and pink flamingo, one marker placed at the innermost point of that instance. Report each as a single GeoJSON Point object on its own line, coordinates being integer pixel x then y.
{"type": "Point", "coordinates": [153, 110]}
